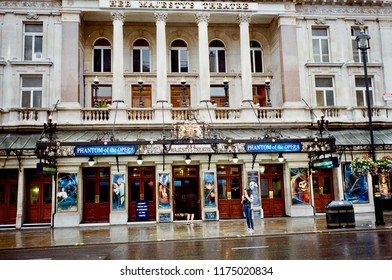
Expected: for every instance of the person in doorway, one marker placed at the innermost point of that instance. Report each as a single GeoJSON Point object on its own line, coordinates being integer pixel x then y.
{"type": "Point", "coordinates": [191, 203]}
{"type": "Point", "coordinates": [247, 204]}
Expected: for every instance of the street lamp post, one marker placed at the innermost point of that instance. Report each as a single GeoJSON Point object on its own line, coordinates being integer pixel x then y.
{"type": "Point", "coordinates": [322, 122]}
{"type": "Point", "coordinates": [140, 83]}
{"type": "Point", "coordinates": [226, 87]}
{"type": "Point", "coordinates": [267, 89]}
{"type": "Point", "coordinates": [183, 88]}
{"type": "Point", "coordinates": [363, 44]}
{"type": "Point", "coordinates": [96, 87]}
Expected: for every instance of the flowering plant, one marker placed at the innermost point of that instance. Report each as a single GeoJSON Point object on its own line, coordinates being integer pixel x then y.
{"type": "Point", "coordinates": [384, 164]}
{"type": "Point", "coordinates": [361, 166]}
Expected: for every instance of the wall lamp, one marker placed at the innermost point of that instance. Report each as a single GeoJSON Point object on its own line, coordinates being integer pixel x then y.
{"type": "Point", "coordinates": [188, 159]}
{"type": "Point", "coordinates": [139, 160]}
{"type": "Point", "coordinates": [280, 157]}
{"type": "Point", "coordinates": [235, 158]}
{"type": "Point", "coordinates": [91, 161]}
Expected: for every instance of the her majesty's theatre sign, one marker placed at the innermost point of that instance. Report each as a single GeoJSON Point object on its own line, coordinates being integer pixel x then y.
{"type": "Point", "coordinates": [177, 5]}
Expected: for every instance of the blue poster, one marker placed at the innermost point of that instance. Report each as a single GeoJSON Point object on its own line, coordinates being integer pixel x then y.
{"type": "Point", "coordinates": [253, 179]}
{"type": "Point", "coordinates": [118, 194]}
{"type": "Point", "coordinates": [209, 189]}
{"type": "Point", "coordinates": [355, 188]}
{"type": "Point", "coordinates": [67, 192]}
{"type": "Point", "coordinates": [164, 190]}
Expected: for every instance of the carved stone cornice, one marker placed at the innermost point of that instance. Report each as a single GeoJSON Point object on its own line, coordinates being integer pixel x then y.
{"type": "Point", "coordinates": [342, 10]}
{"type": "Point", "coordinates": [31, 4]}
{"type": "Point", "coordinates": [118, 16]}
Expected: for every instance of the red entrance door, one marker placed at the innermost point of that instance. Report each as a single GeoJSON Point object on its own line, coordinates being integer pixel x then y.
{"type": "Point", "coordinates": [141, 182]}
{"type": "Point", "coordinates": [8, 195]}
{"type": "Point", "coordinates": [229, 191]}
{"type": "Point", "coordinates": [96, 190]}
{"type": "Point", "coordinates": [39, 197]}
{"type": "Point", "coordinates": [322, 189]}
{"type": "Point", "coordinates": [272, 195]}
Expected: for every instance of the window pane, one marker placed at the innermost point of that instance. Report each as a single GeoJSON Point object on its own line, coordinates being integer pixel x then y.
{"type": "Point", "coordinates": [135, 190]}
{"type": "Point", "coordinates": [31, 82]}
{"type": "Point", "coordinates": [184, 60]}
{"type": "Point", "coordinates": [97, 60]}
{"type": "Point", "coordinates": [107, 54]}
{"type": "Point", "coordinates": [37, 99]}
{"type": "Point", "coordinates": [149, 190]}
{"type": "Point", "coordinates": [146, 60]}
{"type": "Point", "coordinates": [222, 62]}
{"type": "Point", "coordinates": [320, 98]}
{"type": "Point", "coordinates": [136, 60]}
{"type": "Point", "coordinates": [235, 188]}
{"type": "Point", "coordinates": [26, 99]}
{"type": "Point", "coordinates": [174, 60]}
{"type": "Point", "coordinates": [325, 51]}
{"type": "Point", "coordinates": [104, 192]}
{"type": "Point", "coordinates": [319, 32]}
{"type": "Point", "coordinates": [316, 50]}
{"type": "Point", "coordinates": [38, 44]}
{"type": "Point", "coordinates": [323, 82]}
{"type": "Point", "coordinates": [90, 192]}
{"type": "Point", "coordinates": [28, 49]}
{"type": "Point", "coordinates": [2, 194]}
{"type": "Point", "coordinates": [329, 97]}
{"type": "Point", "coordinates": [222, 191]}
{"type": "Point", "coordinates": [212, 61]}
{"type": "Point", "coordinates": [36, 28]}
{"type": "Point", "coordinates": [360, 99]}
{"type": "Point", "coordinates": [258, 61]}
{"type": "Point", "coordinates": [277, 187]}
{"type": "Point", "coordinates": [47, 193]}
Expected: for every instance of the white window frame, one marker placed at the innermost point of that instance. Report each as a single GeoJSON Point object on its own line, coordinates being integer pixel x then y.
{"type": "Point", "coordinates": [144, 51]}
{"type": "Point", "coordinates": [361, 91]}
{"type": "Point", "coordinates": [36, 54]}
{"type": "Point", "coordinates": [214, 61]}
{"type": "Point", "coordinates": [357, 54]}
{"type": "Point", "coordinates": [102, 50]}
{"type": "Point", "coordinates": [318, 54]}
{"type": "Point", "coordinates": [324, 91]}
{"type": "Point", "coordinates": [33, 92]}
{"type": "Point", "coordinates": [182, 52]}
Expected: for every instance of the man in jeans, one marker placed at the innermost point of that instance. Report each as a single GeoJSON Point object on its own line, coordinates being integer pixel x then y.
{"type": "Point", "coordinates": [247, 200]}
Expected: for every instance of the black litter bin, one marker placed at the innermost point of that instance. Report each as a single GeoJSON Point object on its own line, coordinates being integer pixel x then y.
{"type": "Point", "coordinates": [340, 214]}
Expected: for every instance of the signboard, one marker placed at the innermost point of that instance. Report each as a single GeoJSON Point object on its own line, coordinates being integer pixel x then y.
{"type": "Point", "coordinates": [190, 149]}
{"type": "Point", "coordinates": [273, 147]}
{"type": "Point", "coordinates": [141, 209]}
{"type": "Point", "coordinates": [210, 215]}
{"type": "Point", "coordinates": [164, 217]}
{"type": "Point", "coordinates": [387, 96]}
{"type": "Point", "coordinates": [46, 168]}
{"type": "Point", "coordinates": [325, 163]}
{"type": "Point", "coordinates": [102, 150]}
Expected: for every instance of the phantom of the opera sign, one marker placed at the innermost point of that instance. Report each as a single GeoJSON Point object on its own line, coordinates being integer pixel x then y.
{"type": "Point", "coordinates": [179, 5]}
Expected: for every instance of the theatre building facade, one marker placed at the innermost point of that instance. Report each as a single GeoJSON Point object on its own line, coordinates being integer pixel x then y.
{"type": "Point", "coordinates": [112, 112]}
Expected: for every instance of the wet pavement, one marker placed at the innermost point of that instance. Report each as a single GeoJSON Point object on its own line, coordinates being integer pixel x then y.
{"type": "Point", "coordinates": [90, 234]}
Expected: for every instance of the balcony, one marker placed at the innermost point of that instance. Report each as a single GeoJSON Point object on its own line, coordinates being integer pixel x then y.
{"type": "Point", "coordinates": [243, 117]}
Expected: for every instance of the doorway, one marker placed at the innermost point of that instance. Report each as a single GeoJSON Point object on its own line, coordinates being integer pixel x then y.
{"type": "Point", "coordinates": [185, 180]}
{"type": "Point", "coordinates": [39, 197]}
{"type": "Point", "coordinates": [229, 191]}
{"type": "Point", "coordinates": [272, 190]}
{"type": "Point", "coordinates": [141, 182]}
{"type": "Point", "coordinates": [96, 195]}
{"type": "Point", "coordinates": [8, 195]}
{"type": "Point", "coordinates": [322, 189]}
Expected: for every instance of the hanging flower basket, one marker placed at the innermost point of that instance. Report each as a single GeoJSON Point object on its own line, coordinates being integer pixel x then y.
{"type": "Point", "coordinates": [384, 164]}
{"type": "Point", "coordinates": [361, 166]}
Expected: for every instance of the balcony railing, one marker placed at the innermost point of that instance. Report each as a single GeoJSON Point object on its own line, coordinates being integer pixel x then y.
{"type": "Point", "coordinates": [224, 116]}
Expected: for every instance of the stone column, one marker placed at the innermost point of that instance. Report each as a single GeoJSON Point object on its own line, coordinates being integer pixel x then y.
{"type": "Point", "coordinates": [246, 71]}
{"type": "Point", "coordinates": [160, 19]}
{"type": "Point", "coordinates": [69, 61]}
{"type": "Point", "coordinates": [21, 198]}
{"type": "Point", "coordinates": [386, 52]}
{"type": "Point", "coordinates": [204, 65]}
{"type": "Point", "coordinates": [118, 58]}
{"type": "Point", "coordinates": [289, 62]}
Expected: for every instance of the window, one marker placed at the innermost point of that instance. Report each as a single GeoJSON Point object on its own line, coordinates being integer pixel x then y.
{"type": "Point", "coordinates": [259, 95]}
{"type": "Point", "coordinates": [256, 57]}
{"type": "Point", "coordinates": [32, 41]}
{"type": "Point", "coordinates": [176, 95]}
{"type": "Point", "coordinates": [146, 96]}
{"type": "Point", "coordinates": [357, 56]}
{"type": "Point", "coordinates": [218, 95]}
{"type": "Point", "coordinates": [320, 44]}
{"type": "Point", "coordinates": [102, 56]}
{"type": "Point", "coordinates": [324, 92]}
{"type": "Point", "coordinates": [31, 91]}
{"type": "Point", "coordinates": [360, 91]}
{"type": "Point", "coordinates": [217, 57]}
{"type": "Point", "coordinates": [179, 57]}
{"type": "Point", "coordinates": [141, 56]}
{"type": "Point", "coordinates": [104, 96]}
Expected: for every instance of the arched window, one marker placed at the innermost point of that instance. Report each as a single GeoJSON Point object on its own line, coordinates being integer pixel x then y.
{"type": "Point", "coordinates": [179, 56]}
{"type": "Point", "coordinates": [256, 57]}
{"type": "Point", "coordinates": [217, 57]}
{"type": "Point", "coordinates": [102, 60]}
{"type": "Point", "coordinates": [141, 56]}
